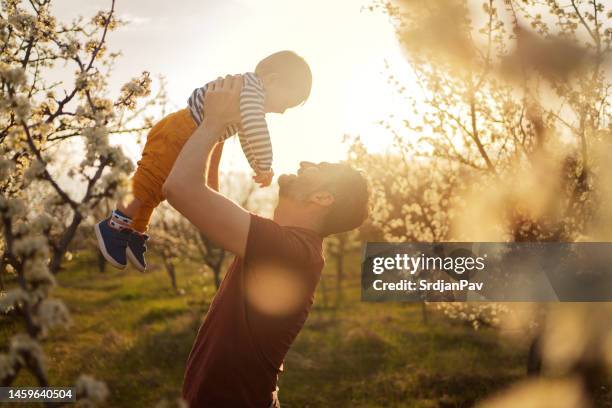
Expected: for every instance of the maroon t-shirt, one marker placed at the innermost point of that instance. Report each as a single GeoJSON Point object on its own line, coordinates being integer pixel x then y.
{"type": "Point", "coordinates": [254, 318]}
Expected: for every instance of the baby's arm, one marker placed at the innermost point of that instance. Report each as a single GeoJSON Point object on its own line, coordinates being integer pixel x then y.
{"type": "Point", "coordinates": [196, 104]}
{"type": "Point", "coordinates": [254, 136]}
{"type": "Point", "coordinates": [196, 107]}
{"type": "Point", "coordinates": [212, 176]}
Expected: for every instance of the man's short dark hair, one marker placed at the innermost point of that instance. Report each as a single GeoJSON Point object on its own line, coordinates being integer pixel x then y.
{"type": "Point", "coordinates": [350, 207]}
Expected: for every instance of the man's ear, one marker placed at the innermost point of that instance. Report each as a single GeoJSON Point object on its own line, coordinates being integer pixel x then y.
{"type": "Point", "coordinates": [322, 198]}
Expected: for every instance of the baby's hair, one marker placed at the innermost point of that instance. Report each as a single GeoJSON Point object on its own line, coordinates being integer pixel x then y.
{"type": "Point", "coordinates": [292, 69]}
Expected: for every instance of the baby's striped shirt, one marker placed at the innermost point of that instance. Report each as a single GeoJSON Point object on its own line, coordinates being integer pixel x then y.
{"type": "Point", "coordinates": [252, 129]}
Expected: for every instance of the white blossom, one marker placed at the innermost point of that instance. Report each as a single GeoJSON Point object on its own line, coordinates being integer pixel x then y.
{"type": "Point", "coordinates": [476, 314]}
{"type": "Point", "coordinates": [7, 365]}
{"type": "Point", "coordinates": [6, 168]}
{"type": "Point", "coordinates": [21, 228]}
{"type": "Point", "coordinates": [52, 313]}
{"type": "Point", "coordinates": [71, 48]}
{"type": "Point", "coordinates": [43, 222]}
{"type": "Point", "coordinates": [35, 170]}
{"type": "Point", "coordinates": [24, 345]}
{"type": "Point", "coordinates": [21, 106]}
{"type": "Point", "coordinates": [12, 298]}
{"type": "Point", "coordinates": [14, 75]}
{"type": "Point", "coordinates": [37, 272]}
{"type": "Point", "coordinates": [22, 22]}
{"type": "Point", "coordinates": [30, 246]}
{"type": "Point", "coordinates": [90, 390]}
{"type": "Point", "coordinates": [12, 207]}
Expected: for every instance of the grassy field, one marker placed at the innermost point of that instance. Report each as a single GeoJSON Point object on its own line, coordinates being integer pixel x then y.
{"type": "Point", "coordinates": [134, 332]}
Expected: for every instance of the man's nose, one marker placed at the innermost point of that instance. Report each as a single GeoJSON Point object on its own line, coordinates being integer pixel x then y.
{"type": "Point", "coordinates": [305, 164]}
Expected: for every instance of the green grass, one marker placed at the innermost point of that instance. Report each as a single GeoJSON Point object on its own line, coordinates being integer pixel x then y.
{"type": "Point", "coordinates": [134, 332]}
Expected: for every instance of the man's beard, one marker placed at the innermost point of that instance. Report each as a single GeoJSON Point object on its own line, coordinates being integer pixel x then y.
{"type": "Point", "coordinates": [286, 185]}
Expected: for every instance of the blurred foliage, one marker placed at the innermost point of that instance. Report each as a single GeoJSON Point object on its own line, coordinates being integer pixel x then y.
{"type": "Point", "coordinates": [507, 139]}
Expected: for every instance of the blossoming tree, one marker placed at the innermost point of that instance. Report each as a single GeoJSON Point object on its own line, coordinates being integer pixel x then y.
{"type": "Point", "coordinates": [43, 197]}
{"type": "Point", "coordinates": [510, 102]}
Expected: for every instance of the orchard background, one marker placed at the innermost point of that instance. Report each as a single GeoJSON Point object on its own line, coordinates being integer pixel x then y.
{"type": "Point", "coordinates": [506, 136]}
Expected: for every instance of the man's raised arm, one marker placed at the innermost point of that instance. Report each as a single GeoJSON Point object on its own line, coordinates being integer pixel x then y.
{"type": "Point", "coordinates": [220, 219]}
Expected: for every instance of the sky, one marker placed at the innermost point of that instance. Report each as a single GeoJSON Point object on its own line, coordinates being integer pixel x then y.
{"type": "Point", "coordinates": [194, 41]}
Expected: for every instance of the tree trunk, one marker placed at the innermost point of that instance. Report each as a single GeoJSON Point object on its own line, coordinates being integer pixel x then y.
{"type": "Point", "coordinates": [101, 262]}
{"type": "Point", "coordinates": [339, 277]}
{"type": "Point", "coordinates": [424, 313]}
{"type": "Point", "coordinates": [534, 358]}
{"type": "Point", "coordinates": [217, 274]}
{"type": "Point", "coordinates": [213, 258]}
{"type": "Point", "coordinates": [62, 247]}
{"type": "Point", "coordinates": [323, 290]}
{"type": "Point", "coordinates": [171, 272]}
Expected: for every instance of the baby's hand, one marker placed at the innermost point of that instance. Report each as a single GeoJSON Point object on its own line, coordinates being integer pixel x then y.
{"type": "Point", "coordinates": [264, 178]}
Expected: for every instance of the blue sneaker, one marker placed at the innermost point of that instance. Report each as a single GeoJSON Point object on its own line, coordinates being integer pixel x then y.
{"type": "Point", "coordinates": [112, 242]}
{"type": "Point", "coordinates": [137, 246]}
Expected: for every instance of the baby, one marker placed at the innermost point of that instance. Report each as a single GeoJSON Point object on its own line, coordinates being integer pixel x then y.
{"type": "Point", "coordinates": [280, 81]}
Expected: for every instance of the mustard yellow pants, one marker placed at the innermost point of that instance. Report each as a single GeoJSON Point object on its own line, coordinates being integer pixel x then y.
{"type": "Point", "coordinates": [164, 142]}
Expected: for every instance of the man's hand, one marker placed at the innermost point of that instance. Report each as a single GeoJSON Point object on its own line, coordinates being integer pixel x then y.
{"type": "Point", "coordinates": [264, 178]}
{"type": "Point", "coordinates": [222, 102]}
{"type": "Point", "coordinates": [220, 219]}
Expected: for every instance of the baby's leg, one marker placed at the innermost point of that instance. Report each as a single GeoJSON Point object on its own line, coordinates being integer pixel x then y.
{"type": "Point", "coordinates": [147, 189]}
{"type": "Point", "coordinates": [129, 207]}
{"type": "Point", "coordinates": [138, 212]}
{"type": "Point", "coordinates": [164, 142]}
{"type": "Point", "coordinates": [122, 234]}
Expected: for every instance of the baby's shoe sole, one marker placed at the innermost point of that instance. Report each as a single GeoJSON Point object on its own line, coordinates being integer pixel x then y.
{"type": "Point", "coordinates": [134, 261]}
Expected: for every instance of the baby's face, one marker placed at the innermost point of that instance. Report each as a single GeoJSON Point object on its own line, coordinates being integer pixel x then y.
{"type": "Point", "coordinates": [278, 97]}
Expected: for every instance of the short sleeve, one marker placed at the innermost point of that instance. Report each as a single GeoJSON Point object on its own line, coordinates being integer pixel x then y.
{"type": "Point", "coordinates": [267, 240]}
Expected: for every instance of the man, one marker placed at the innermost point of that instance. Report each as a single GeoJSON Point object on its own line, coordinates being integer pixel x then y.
{"type": "Point", "coordinates": [267, 292]}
